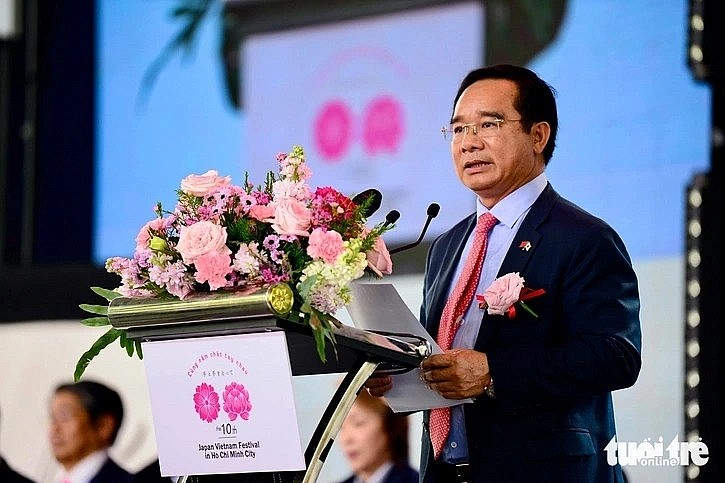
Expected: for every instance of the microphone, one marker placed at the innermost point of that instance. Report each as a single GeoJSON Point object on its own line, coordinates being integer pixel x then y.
{"type": "Point", "coordinates": [371, 198]}
{"type": "Point", "coordinates": [391, 217]}
{"type": "Point", "coordinates": [432, 212]}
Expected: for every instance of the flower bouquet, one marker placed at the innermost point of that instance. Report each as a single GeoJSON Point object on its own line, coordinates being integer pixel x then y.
{"type": "Point", "coordinates": [224, 237]}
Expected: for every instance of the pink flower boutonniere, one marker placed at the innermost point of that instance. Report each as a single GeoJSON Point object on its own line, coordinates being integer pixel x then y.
{"type": "Point", "coordinates": [504, 293]}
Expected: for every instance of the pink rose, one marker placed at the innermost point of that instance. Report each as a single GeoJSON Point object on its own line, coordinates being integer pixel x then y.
{"type": "Point", "coordinates": [200, 238]}
{"type": "Point", "coordinates": [503, 293]}
{"type": "Point", "coordinates": [200, 185]}
{"type": "Point", "coordinates": [327, 245]}
{"type": "Point", "coordinates": [291, 217]}
{"type": "Point", "coordinates": [379, 258]}
{"type": "Point", "coordinates": [213, 267]}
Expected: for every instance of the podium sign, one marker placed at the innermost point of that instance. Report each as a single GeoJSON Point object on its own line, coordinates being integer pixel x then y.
{"type": "Point", "coordinates": [223, 404]}
{"type": "Point", "coordinates": [219, 369]}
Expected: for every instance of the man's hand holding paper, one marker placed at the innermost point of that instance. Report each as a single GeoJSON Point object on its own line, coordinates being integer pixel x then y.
{"type": "Point", "coordinates": [378, 306]}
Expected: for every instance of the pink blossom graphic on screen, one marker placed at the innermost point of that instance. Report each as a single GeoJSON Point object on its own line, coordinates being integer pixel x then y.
{"type": "Point", "coordinates": [236, 401]}
{"type": "Point", "coordinates": [206, 402]}
{"type": "Point", "coordinates": [332, 130]}
{"type": "Point", "coordinates": [383, 124]}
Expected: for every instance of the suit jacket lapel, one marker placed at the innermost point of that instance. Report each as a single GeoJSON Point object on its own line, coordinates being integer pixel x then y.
{"type": "Point", "coordinates": [519, 253]}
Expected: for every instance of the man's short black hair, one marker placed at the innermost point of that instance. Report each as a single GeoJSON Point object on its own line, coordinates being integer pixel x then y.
{"type": "Point", "coordinates": [535, 100]}
{"type": "Point", "coordinates": [98, 400]}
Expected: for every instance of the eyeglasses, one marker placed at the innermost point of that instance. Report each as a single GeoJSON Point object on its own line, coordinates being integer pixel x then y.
{"type": "Point", "coordinates": [487, 128]}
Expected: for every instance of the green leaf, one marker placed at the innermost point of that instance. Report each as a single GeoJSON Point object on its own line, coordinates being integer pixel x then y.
{"type": "Point", "coordinates": [106, 294]}
{"type": "Point", "coordinates": [86, 358]}
{"type": "Point", "coordinates": [320, 343]}
{"type": "Point", "coordinates": [95, 309]}
{"type": "Point", "coordinates": [191, 17]}
{"type": "Point", "coordinates": [528, 309]}
{"type": "Point", "coordinates": [130, 346]}
{"type": "Point", "coordinates": [139, 351]}
{"type": "Point", "coordinates": [305, 287]}
{"type": "Point", "coordinates": [96, 321]}
{"type": "Point", "coordinates": [321, 325]}
{"type": "Point", "coordinates": [330, 334]}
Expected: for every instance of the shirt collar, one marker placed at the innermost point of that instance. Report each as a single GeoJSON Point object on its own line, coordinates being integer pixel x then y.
{"type": "Point", "coordinates": [510, 209]}
{"type": "Point", "coordinates": [88, 467]}
{"type": "Point", "coordinates": [379, 475]}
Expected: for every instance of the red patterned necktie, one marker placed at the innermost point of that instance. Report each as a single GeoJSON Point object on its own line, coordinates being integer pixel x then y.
{"type": "Point", "coordinates": [456, 306]}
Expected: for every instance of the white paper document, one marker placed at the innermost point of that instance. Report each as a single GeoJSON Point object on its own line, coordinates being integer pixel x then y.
{"type": "Point", "coordinates": [378, 306]}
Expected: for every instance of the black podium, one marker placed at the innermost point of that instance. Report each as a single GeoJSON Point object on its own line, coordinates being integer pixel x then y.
{"type": "Point", "coordinates": [356, 353]}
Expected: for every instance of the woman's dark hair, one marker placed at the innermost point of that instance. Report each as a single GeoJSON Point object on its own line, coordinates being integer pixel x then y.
{"type": "Point", "coordinates": [98, 400]}
{"type": "Point", "coordinates": [535, 100]}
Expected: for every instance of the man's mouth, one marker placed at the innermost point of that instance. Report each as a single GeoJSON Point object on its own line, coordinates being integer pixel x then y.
{"type": "Point", "coordinates": [476, 163]}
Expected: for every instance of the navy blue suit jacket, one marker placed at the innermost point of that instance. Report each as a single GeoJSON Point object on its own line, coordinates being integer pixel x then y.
{"type": "Point", "coordinates": [9, 475]}
{"type": "Point", "coordinates": [110, 472]}
{"type": "Point", "coordinates": [397, 474]}
{"type": "Point", "coordinates": [553, 375]}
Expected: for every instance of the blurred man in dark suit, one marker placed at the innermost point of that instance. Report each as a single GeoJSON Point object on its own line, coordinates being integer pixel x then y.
{"type": "Point", "coordinates": [85, 419]}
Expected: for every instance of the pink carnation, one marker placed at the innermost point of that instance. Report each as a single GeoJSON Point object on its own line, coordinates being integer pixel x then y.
{"type": "Point", "coordinates": [261, 212]}
{"type": "Point", "coordinates": [327, 245]}
{"type": "Point", "coordinates": [213, 267]}
{"type": "Point", "coordinates": [503, 293]}
{"type": "Point", "coordinates": [144, 235]}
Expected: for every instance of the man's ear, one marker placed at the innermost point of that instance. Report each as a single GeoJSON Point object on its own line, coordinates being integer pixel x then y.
{"type": "Point", "coordinates": [105, 427]}
{"type": "Point", "coordinates": [540, 133]}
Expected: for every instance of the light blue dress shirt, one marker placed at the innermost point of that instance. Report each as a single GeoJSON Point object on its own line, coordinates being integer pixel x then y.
{"type": "Point", "coordinates": [509, 212]}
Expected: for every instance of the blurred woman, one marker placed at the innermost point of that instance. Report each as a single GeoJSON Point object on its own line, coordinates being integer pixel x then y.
{"type": "Point", "coordinates": [375, 442]}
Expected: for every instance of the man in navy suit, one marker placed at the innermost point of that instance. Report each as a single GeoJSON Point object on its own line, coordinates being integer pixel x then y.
{"type": "Point", "coordinates": [85, 419]}
{"type": "Point", "coordinates": [541, 383]}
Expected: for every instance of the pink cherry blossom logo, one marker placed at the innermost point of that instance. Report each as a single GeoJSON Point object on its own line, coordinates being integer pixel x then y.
{"type": "Point", "coordinates": [236, 401]}
{"type": "Point", "coordinates": [206, 402]}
